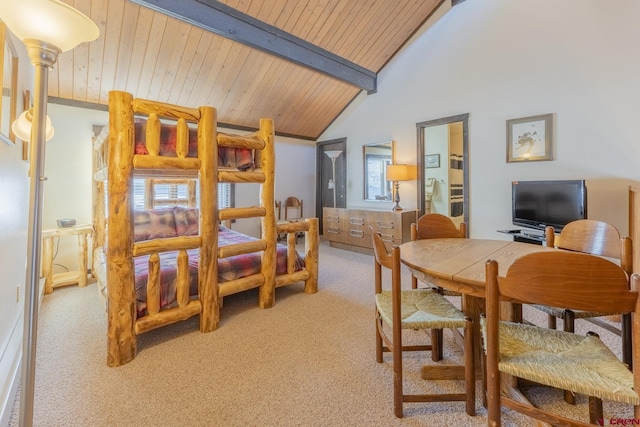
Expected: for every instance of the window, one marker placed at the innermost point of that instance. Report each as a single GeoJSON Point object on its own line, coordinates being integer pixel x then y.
{"type": "Point", "coordinates": [175, 192]}
{"type": "Point", "coordinates": [225, 195]}
{"type": "Point", "coordinates": [377, 187]}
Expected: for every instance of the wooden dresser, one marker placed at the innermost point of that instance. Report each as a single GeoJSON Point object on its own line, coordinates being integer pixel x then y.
{"type": "Point", "coordinates": [349, 228]}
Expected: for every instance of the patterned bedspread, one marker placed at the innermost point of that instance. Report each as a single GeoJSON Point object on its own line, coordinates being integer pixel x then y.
{"type": "Point", "coordinates": [229, 268]}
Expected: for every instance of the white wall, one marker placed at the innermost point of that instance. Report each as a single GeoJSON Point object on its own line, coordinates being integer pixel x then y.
{"type": "Point", "coordinates": [504, 59]}
{"type": "Point", "coordinates": [68, 167]}
{"type": "Point", "coordinates": [14, 212]}
{"type": "Point", "coordinates": [69, 163]}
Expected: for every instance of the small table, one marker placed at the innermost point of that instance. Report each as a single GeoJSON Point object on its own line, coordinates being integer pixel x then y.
{"type": "Point", "coordinates": [70, 277]}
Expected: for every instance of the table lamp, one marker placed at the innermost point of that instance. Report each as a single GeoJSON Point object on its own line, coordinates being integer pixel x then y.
{"type": "Point", "coordinates": [397, 173]}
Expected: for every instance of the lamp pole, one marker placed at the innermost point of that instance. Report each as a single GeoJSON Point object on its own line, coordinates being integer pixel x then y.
{"type": "Point", "coordinates": [333, 155]}
{"type": "Point", "coordinates": [43, 57]}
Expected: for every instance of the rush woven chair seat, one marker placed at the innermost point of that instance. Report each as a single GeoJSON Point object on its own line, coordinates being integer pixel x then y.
{"type": "Point", "coordinates": [420, 309]}
{"type": "Point", "coordinates": [398, 309]}
{"type": "Point", "coordinates": [557, 358]}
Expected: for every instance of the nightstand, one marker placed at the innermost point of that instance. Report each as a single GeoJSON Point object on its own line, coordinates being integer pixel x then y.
{"type": "Point", "coordinates": [70, 277]}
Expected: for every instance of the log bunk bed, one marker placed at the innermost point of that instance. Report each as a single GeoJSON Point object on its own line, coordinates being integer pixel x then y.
{"type": "Point", "coordinates": [119, 247]}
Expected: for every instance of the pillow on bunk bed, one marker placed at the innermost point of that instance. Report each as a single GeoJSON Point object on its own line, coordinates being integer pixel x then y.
{"type": "Point", "coordinates": [235, 158]}
{"type": "Point", "coordinates": [187, 220]}
{"type": "Point", "coordinates": [153, 224]}
{"type": "Point", "coordinates": [167, 139]}
{"type": "Point", "coordinates": [228, 157]}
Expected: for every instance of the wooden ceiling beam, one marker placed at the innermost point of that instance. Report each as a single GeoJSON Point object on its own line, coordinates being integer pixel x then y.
{"type": "Point", "coordinates": [218, 18]}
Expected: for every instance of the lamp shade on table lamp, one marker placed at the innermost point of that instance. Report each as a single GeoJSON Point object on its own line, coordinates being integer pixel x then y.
{"type": "Point", "coordinates": [397, 173]}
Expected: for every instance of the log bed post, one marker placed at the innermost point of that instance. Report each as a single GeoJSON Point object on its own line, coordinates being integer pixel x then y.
{"type": "Point", "coordinates": [269, 228]}
{"type": "Point", "coordinates": [121, 308]}
{"type": "Point", "coordinates": [208, 264]}
{"type": "Point", "coordinates": [311, 244]}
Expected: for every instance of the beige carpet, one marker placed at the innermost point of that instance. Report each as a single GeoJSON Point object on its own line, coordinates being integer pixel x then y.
{"type": "Point", "coordinates": [308, 361]}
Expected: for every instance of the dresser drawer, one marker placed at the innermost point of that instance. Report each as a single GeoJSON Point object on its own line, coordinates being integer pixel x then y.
{"type": "Point", "coordinates": [334, 226]}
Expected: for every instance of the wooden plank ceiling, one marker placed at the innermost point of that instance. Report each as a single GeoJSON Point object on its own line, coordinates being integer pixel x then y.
{"type": "Point", "coordinates": [158, 57]}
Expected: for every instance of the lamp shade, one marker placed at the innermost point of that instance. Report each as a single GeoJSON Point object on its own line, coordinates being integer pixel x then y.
{"type": "Point", "coordinates": [22, 126]}
{"type": "Point", "coordinates": [333, 154]}
{"type": "Point", "coordinates": [399, 173]}
{"type": "Point", "coordinates": [50, 21]}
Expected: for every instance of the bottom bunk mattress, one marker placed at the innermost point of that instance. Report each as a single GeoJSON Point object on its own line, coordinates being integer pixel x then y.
{"type": "Point", "coordinates": [230, 268]}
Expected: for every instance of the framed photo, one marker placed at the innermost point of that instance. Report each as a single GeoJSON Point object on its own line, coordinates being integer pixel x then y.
{"type": "Point", "coordinates": [432, 161]}
{"type": "Point", "coordinates": [530, 138]}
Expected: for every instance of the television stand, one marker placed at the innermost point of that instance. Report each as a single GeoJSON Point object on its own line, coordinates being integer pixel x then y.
{"type": "Point", "coordinates": [525, 236]}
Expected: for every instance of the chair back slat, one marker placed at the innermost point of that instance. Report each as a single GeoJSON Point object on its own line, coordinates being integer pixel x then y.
{"type": "Point", "coordinates": [380, 251]}
{"type": "Point", "coordinates": [590, 236]}
{"type": "Point", "coordinates": [437, 226]}
{"type": "Point", "coordinates": [571, 280]}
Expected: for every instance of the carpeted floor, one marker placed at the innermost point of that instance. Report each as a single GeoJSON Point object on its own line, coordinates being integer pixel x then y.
{"type": "Point", "coordinates": [308, 361]}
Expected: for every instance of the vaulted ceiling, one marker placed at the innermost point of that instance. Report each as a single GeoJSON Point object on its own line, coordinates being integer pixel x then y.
{"type": "Point", "coordinates": [196, 60]}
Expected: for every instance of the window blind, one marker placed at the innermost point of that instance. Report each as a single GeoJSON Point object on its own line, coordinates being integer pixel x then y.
{"type": "Point", "coordinates": [165, 193]}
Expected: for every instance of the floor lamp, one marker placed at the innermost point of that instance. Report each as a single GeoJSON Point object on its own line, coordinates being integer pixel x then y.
{"type": "Point", "coordinates": [333, 155]}
{"type": "Point", "coordinates": [47, 28]}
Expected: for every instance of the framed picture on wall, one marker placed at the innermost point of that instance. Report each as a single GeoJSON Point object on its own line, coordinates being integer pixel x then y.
{"type": "Point", "coordinates": [530, 138]}
{"type": "Point", "coordinates": [432, 161]}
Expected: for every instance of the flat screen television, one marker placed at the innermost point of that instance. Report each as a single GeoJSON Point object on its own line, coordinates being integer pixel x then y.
{"type": "Point", "coordinates": [537, 204]}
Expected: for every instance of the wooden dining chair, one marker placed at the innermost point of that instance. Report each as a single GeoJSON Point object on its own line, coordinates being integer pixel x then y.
{"type": "Point", "coordinates": [596, 238]}
{"type": "Point", "coordinates": [293, 212]}
{"type": "Point", "coordinates": [398, 309]}
{"type": "Point", "coordinates": [436, 226]}
{"type": "Point", "coordinates": [279, 221]}
{"type": "Point", "coordinates": [294, 204]}
{"type": "Point", "coordinates": [582, 364]}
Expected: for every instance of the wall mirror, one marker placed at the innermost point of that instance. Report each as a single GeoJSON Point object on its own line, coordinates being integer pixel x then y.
{"type": "Point", "coordinates": [9, 78]}
{"type": "Point", "coordinates": [443, 167]}
{"type": "Point", "coordinates": [376, 157]}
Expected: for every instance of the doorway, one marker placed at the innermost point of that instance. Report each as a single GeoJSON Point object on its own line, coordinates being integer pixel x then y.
{"type": "Point", "coordinates": [331, 190]}
{"type": "Point", "coordinates": [443, 167]}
